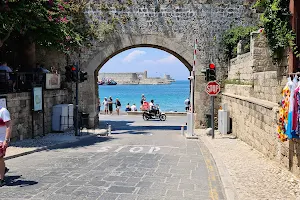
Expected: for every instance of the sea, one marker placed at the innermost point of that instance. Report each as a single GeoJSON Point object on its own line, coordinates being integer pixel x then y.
{"type": "Point", "coordinates": [169, 97]}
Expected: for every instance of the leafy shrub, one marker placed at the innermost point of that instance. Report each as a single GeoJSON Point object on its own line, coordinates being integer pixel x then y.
{"type": "Point", "coordinates": [231, 38]}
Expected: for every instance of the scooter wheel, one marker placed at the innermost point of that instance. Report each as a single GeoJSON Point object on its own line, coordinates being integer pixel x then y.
{"type": "Point", "coordinates": [145, 117]}
{"type": "Point", "coordinates": [162, 117]}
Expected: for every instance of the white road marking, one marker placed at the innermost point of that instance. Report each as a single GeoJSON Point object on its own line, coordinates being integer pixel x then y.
{"type": "Point", "coordinates": [153, 149]}
{"type": "Point", "coordinates": [132, 150]}
{"type": "Point", "coordinates": [104, 149]}
{"type": "Point", "coordinates": [120, 148]}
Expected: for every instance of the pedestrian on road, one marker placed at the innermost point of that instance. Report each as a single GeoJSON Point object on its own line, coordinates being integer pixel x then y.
{"type": "Point", "coordinates": [5, 134]}
{"type": "Point", "coordinates": [118, 106]}
{"type": "Point", "coordinates": [110, 105]}
{"type": "Point", "coordinates": [99, 106]}
{"type": "Point", "coordinates": [187, 104]}
{"type": "Point", "coordinates": [105, 104]}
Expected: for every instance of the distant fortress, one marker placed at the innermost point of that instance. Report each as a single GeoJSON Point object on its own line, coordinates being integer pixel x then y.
{"type": "Point", "coordinates": [136, 78]}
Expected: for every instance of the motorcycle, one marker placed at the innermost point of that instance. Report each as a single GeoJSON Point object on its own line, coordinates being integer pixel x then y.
{"type": "Point", "coordinates": [154, 115]}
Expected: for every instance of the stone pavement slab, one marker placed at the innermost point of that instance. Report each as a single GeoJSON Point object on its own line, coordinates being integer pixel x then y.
{"type": "Point", "coordinates": [150, 163]}
{"type": "Point", "coordinates": [28, 146]}
{"type": "Point", "coordinates": [247, 174]}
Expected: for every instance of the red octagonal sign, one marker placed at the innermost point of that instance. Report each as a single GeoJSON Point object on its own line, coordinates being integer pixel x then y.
{"type": "Point", "coordinates": [212, 88]}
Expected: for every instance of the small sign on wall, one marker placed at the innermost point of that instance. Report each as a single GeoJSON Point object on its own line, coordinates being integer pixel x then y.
{"type": "Point", "coordinates": [52, 81]}
{"type": "Point", "coordinates": [3, 102]}
{"type": "Point", "coordinates": [37, 99]}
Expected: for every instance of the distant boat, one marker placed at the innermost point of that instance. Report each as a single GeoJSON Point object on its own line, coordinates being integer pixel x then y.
{"type": "Point", "coordinates": [111, 82]}
{"type": "Point", "coordinates": [101, 82]}
{"type": "Point", "coordinates": [107, 82]}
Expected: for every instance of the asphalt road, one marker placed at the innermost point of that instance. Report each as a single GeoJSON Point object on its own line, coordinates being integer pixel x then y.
{"type": "Point", "coordinates": [140, 160]}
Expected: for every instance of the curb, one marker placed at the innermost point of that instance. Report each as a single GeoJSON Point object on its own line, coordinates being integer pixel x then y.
{"type": "Point", "coordinates": [226, 179]}
{"type": "Point", "coordinates": [193, 137]}
{"type": "Point", "coordinates": [79, 138]}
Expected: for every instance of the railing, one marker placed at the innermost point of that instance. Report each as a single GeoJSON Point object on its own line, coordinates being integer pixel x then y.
{"type": "Point", "coordinates": [20, 81]}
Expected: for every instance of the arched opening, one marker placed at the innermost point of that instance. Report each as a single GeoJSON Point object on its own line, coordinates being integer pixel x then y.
{"type": "Point", "coordinates": [160, 78]}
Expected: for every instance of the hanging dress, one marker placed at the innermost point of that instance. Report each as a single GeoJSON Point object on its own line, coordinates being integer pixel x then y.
{"type": "Point", "coordinates": [292, 86]}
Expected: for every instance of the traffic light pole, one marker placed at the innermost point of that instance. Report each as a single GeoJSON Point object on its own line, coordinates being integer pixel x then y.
{"type": "Point", "coordinates": [76, 102]}
{"type": "Point", "coordinates": [213, 116]}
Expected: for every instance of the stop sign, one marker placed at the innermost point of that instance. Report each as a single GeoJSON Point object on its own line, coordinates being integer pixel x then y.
{"type": "Point", "coordinates": [212, 88]}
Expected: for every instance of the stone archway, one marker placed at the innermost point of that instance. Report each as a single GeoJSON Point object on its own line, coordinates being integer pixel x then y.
{"type": "Point", "coordinates": [95, 59]}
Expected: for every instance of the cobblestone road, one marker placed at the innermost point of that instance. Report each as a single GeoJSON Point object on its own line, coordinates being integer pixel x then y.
{"type": "Point", "coordinates": [141, 160]}
{"type": "Point", "coordinates": [254, 176]}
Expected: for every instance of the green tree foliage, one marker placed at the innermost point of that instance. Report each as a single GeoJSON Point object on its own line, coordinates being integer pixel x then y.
{"type": "Point", "coordinates": [231, 38]}
{"type": "Point", "coordinates": [276, 22]}
{"type": "Point", "coordinates": [51, 23]}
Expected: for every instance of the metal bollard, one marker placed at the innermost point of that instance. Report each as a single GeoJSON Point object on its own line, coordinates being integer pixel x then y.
{"type": "Point", "coordinates": [182, 130]}
{"type": "Point", "coordinates": [109, 129]}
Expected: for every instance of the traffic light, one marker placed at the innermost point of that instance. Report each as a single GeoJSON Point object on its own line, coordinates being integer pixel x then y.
{"type": "Point", "coordinates": [74, 73]}
{"type": "Point", "coordinates": [207, 75]}
{"type": "Point", "coordinates": [82, 76]}
{"type": "Point", "coordinates": [211, 72]}
{"type": "Point", "coordinates": [68, 74]}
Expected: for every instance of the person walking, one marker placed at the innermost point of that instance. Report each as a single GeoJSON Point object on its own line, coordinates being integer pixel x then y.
{"type": "Point", "coordinates": [118, 106]}
{"type": "Point", "coordinates": [187, 103]}
{"type": "Point", "coordinates": [5, 134]}
{"type": "Point", "coordinates": [99, 106]}
{"type": "Point", "coordinates": [110, 105]}
{"type": "Point", "coordinates": [105, 104]}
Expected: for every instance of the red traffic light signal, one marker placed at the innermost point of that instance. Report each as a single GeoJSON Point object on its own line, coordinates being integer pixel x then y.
{"type": "Point", "coordinates": [212, 66]}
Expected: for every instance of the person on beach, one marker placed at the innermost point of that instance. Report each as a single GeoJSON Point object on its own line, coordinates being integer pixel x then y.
{"type": "Point", "coordinates": [5, 134]}
{"type": "Point", "coordinates": [143, 99]}
{"type": "Point", "coordinates": [133, 107]}
{"type": "Point", "coordinates": [187, 104]}
{"type": "Point", "coordinates": [118, 106]}
{"type": "Point", "coordinates": [110, 105]}
{"type": "Point", "coordinates": [105, 104]}
{"type": "Point", "coordinates": [128, 108]}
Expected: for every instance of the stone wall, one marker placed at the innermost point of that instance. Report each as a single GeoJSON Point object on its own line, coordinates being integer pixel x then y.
{"type": "Point", "coordinates": [134, 79]}
{"type": "Point", "coordinates": [171, 26]}
{"type": "Point", "coordinates": [253, 121]}
{"type": "Point", "coordinates": [120, 78]}
{"type": "Point", "coordinates": [51, 58]}
{"type": "Point", "coordinates": [241, 68]}
{"type": "Point", "coordinates": [254, 108]}
{"type": "Point", "coordinates": [20, 108]}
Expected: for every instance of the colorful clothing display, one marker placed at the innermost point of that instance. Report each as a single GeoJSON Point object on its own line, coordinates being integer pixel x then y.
{"type": "Point", "coordinates": [289, 112]}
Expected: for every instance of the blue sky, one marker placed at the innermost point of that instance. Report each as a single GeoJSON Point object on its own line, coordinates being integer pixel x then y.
{"type": "Point", "coordinates": [155, 61]}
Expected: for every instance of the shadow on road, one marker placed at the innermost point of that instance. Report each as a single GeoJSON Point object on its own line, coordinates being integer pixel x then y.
{"type": "Point", "coordinates": [16, 181]}
{"type": "Point", "coordinates": [60, 144]}
{"type": "Point", "coordinates": [134, 129]}
{"type": "Point", "coordinates": [82, 143]}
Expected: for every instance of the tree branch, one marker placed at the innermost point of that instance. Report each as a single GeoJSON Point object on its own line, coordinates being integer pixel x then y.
{"type": "Point", "coordinates": [6, 37]}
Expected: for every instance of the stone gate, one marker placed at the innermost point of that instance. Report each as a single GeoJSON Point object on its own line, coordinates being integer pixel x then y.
{"type": "Point", "coordinates": [169, 25]}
